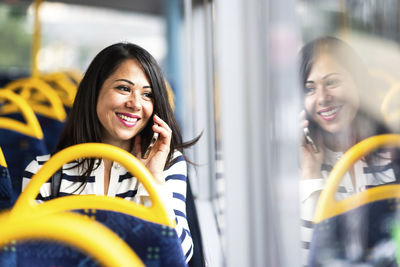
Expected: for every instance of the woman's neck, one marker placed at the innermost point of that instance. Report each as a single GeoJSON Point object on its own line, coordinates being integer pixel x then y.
{"type": "Point", "coordinates": [339, 142]}
{"type": "Point", "coordinates": [125, 145]}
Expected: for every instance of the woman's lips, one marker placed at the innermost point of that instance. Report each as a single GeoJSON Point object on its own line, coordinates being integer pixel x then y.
{"type": "Point", "coordinates": [128, 120]}
{"type": "Point", "coordinates": [330, 114]}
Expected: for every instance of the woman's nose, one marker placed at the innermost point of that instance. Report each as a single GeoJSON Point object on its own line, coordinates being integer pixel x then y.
{"type": "Point", "coordinates": [323, 95]}
{"type": "Point", "coordinates": [133, 102]}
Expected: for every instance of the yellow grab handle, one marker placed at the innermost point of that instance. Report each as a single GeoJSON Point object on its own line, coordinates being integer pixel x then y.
{"type": "Point", "coordinates": [55, 110]}
{"type": "Point", "coordinates": [382, 75]}
{"type": "Point", "coordinates": [66, 89]}
{"type": "Point", "coordinates": [73, 229]}
{"type": "Point", "coordinates": [75, 75]}
{"type": "Point", "coordinates": [2, 159]}
{"type": "Point", "coordinates": [390, 116]}
{"type": "Point", "coordinates": [327, 205]}
{"type": "Point", "coordinates": [27, 205]}
{"type": "Point", "coordinates": [31, 127]}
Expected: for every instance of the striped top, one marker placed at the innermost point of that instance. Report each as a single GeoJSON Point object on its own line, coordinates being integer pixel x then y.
{"type": "Point", "coordinates": [123, 185]}
{"type": "Point", "coordinates": [378, 173]}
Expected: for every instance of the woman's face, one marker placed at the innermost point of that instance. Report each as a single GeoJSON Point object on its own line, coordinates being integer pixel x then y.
{"type": "Point", "coordinates": [331, 95]}
{"type": "Point", "coordinates": [125, 104]}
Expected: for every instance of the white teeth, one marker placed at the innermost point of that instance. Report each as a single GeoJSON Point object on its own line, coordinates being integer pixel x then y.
{"type": "Point", "coordinates": [330, 112]}
{"type": "Point", "coordinates": [128, 119]}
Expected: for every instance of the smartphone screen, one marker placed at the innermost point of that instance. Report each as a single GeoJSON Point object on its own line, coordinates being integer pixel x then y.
{"type": "Point", "coordinates": [152, 142]}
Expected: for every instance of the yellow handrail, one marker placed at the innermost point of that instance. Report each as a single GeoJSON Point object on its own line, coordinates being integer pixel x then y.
{"type": "Point", "coordinates": [27, 87]}
{"type": "Point", "coordinates": [31, 127]}
{"type": "Point", "coordinates": [36, 39]}
{"type": "Point", "coordinates": [27, 206]}
{"type": "Point", "coordinates": [383, 75]}
{"type": "Point", "coordinates": [2, 159]}
{"type": "Point", "coordinates": [72, 229]}
{"type": "Point", "coordinates": [390, 117]}
{"type": "Point", "coordinates": [65, 88]}
{"type": "Point", "coordinates": [328, 206]}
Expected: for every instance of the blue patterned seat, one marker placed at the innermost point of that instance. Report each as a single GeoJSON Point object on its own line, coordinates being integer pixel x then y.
{"type": "Point", "coordinates": [359, 237]}
{"type": "Point", "coordinates": [357, 230]}
{"type": "Point", "coordinates": [5, 185]}
{"type": "Point", "coordinates": [19, 150]}
{"type": "Point", "coordinates": [156, 245]}
{"type": "Point", "coordinates": [51, 130]}
{"type": "Point", "coordinates": [156, 242]}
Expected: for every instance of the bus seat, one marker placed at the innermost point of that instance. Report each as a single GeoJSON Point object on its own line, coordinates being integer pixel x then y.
{"type": "Point", "coordinates": [75, 76]}
{"type": "Point", "coordinates": [5, 184]}
{"type": "Point", "coordinates": [358, 229]}
{"type": "Point", "coordinates": [21, 142]}
{"type": "Point", "coordinates": [46, 104]}
{"type": "Point", "coordinates": [53, 240]}
{"type": "Point", "coordinates": [63, 86]}
{"type": "Point", "coordinates": [148, 230]}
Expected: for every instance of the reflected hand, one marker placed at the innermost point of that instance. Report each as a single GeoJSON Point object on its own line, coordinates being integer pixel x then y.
{"type": "Point", "coordinates": [311, 159]}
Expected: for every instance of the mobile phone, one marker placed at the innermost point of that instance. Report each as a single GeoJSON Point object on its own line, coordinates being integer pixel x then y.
{"type": "Point", "coordinates": [152, 142]}
{"type": "Point", "coordinates": [309, 140]}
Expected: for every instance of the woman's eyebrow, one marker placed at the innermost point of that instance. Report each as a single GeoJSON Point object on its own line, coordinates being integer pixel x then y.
{"type": "Point", "coordinates": [330, 74]}
{"type": "Point", "coordinates": [125, 80]}
{"type": "Point", "coordinates": [147, 86]}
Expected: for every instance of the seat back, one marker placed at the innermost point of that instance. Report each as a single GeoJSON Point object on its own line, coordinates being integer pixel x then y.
{"type": "Point", "coordinates": [46, 104]}
{"type": "Point", "coordinates": [63, 86]}
{"type": "Point", "coordinates": [358, 229]}
{"type": "Point", "coordinates": [20, 141]}
{"type": "Point", "coordinates": [148, 230]}
{"type": "Point", "coordinates": [74, 230]}
{"type": "Point", "coordinates": [5, 184]}
{"type": "Point", "coordinates": [40, 96]}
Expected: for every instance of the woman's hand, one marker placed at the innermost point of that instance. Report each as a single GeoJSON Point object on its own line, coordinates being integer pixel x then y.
{"type": "Point", "coordinates": [311, 161]}
{"type": "Point", "coordinates": [157, 158]}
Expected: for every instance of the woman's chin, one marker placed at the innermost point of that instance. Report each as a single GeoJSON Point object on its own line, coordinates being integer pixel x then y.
{"type": "Point", "coordinates": [336, 128]}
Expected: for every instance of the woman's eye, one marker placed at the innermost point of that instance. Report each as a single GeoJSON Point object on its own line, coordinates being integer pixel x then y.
{"type": "Point", "coordinates": [124, 88]}
{"type": "Point", "coordinates": [332, 83]}
{"type": "Point", "coordinates": [309, 89]}
{"type": "Point", "coordinates": [148, 94]}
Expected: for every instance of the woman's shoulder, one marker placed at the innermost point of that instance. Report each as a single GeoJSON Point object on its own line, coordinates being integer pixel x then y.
{"type": "Point", "coordinates": [177, 154]}
{"type": "Point", "coordinates": [177, 162]}
{"type": "Point", "coordinates": [43, 158]}
{"type": "Point", "coordinates": [37, 163]}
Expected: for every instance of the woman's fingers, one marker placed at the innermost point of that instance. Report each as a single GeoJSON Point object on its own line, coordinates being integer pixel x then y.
{"type": "Point", "coordinates": [303, 119]}
{"type": "Point", "coordinates": [163, 129]}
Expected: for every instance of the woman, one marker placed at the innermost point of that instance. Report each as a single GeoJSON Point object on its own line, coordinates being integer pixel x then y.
{"type": "Point", "coordinates": [122, 100]}
{"type": "Point", "coordinates": [334, 78]}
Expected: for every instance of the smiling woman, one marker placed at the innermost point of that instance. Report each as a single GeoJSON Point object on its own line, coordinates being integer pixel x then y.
{"type": "Point", "coordinates": [125, 104]}
{"type": "Point", "coordinates": [121, 101]}
{"type": "Point", "coordinates": [333, 78]}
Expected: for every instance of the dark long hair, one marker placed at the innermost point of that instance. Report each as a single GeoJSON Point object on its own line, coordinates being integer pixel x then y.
{"type": "Point", "coordinates": [83, 125]}
{"type": "Point", "coordinates": [366, 122]}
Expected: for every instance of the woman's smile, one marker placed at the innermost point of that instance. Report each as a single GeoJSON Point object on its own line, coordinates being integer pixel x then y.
{"type": "Point", "coordinates": [127, 119]}
{"type": "Point", "coordinates": [331, 99]}
{"type": "Point", "coordinates": [330, 113]}
{"type": "Point", "coordinates": [125, 104]}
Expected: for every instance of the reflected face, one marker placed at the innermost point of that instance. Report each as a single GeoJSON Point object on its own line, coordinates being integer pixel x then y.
{"type": "Point", "coordinates": [125, 104]}
{"type": "Point", "coordinates": [331, 95]}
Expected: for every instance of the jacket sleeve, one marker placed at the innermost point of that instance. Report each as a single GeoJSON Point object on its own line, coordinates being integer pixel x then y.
{"type": "Point", "coordinates": [175, 183]}
{"type": "Point", "coordinates": [310, 190]}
